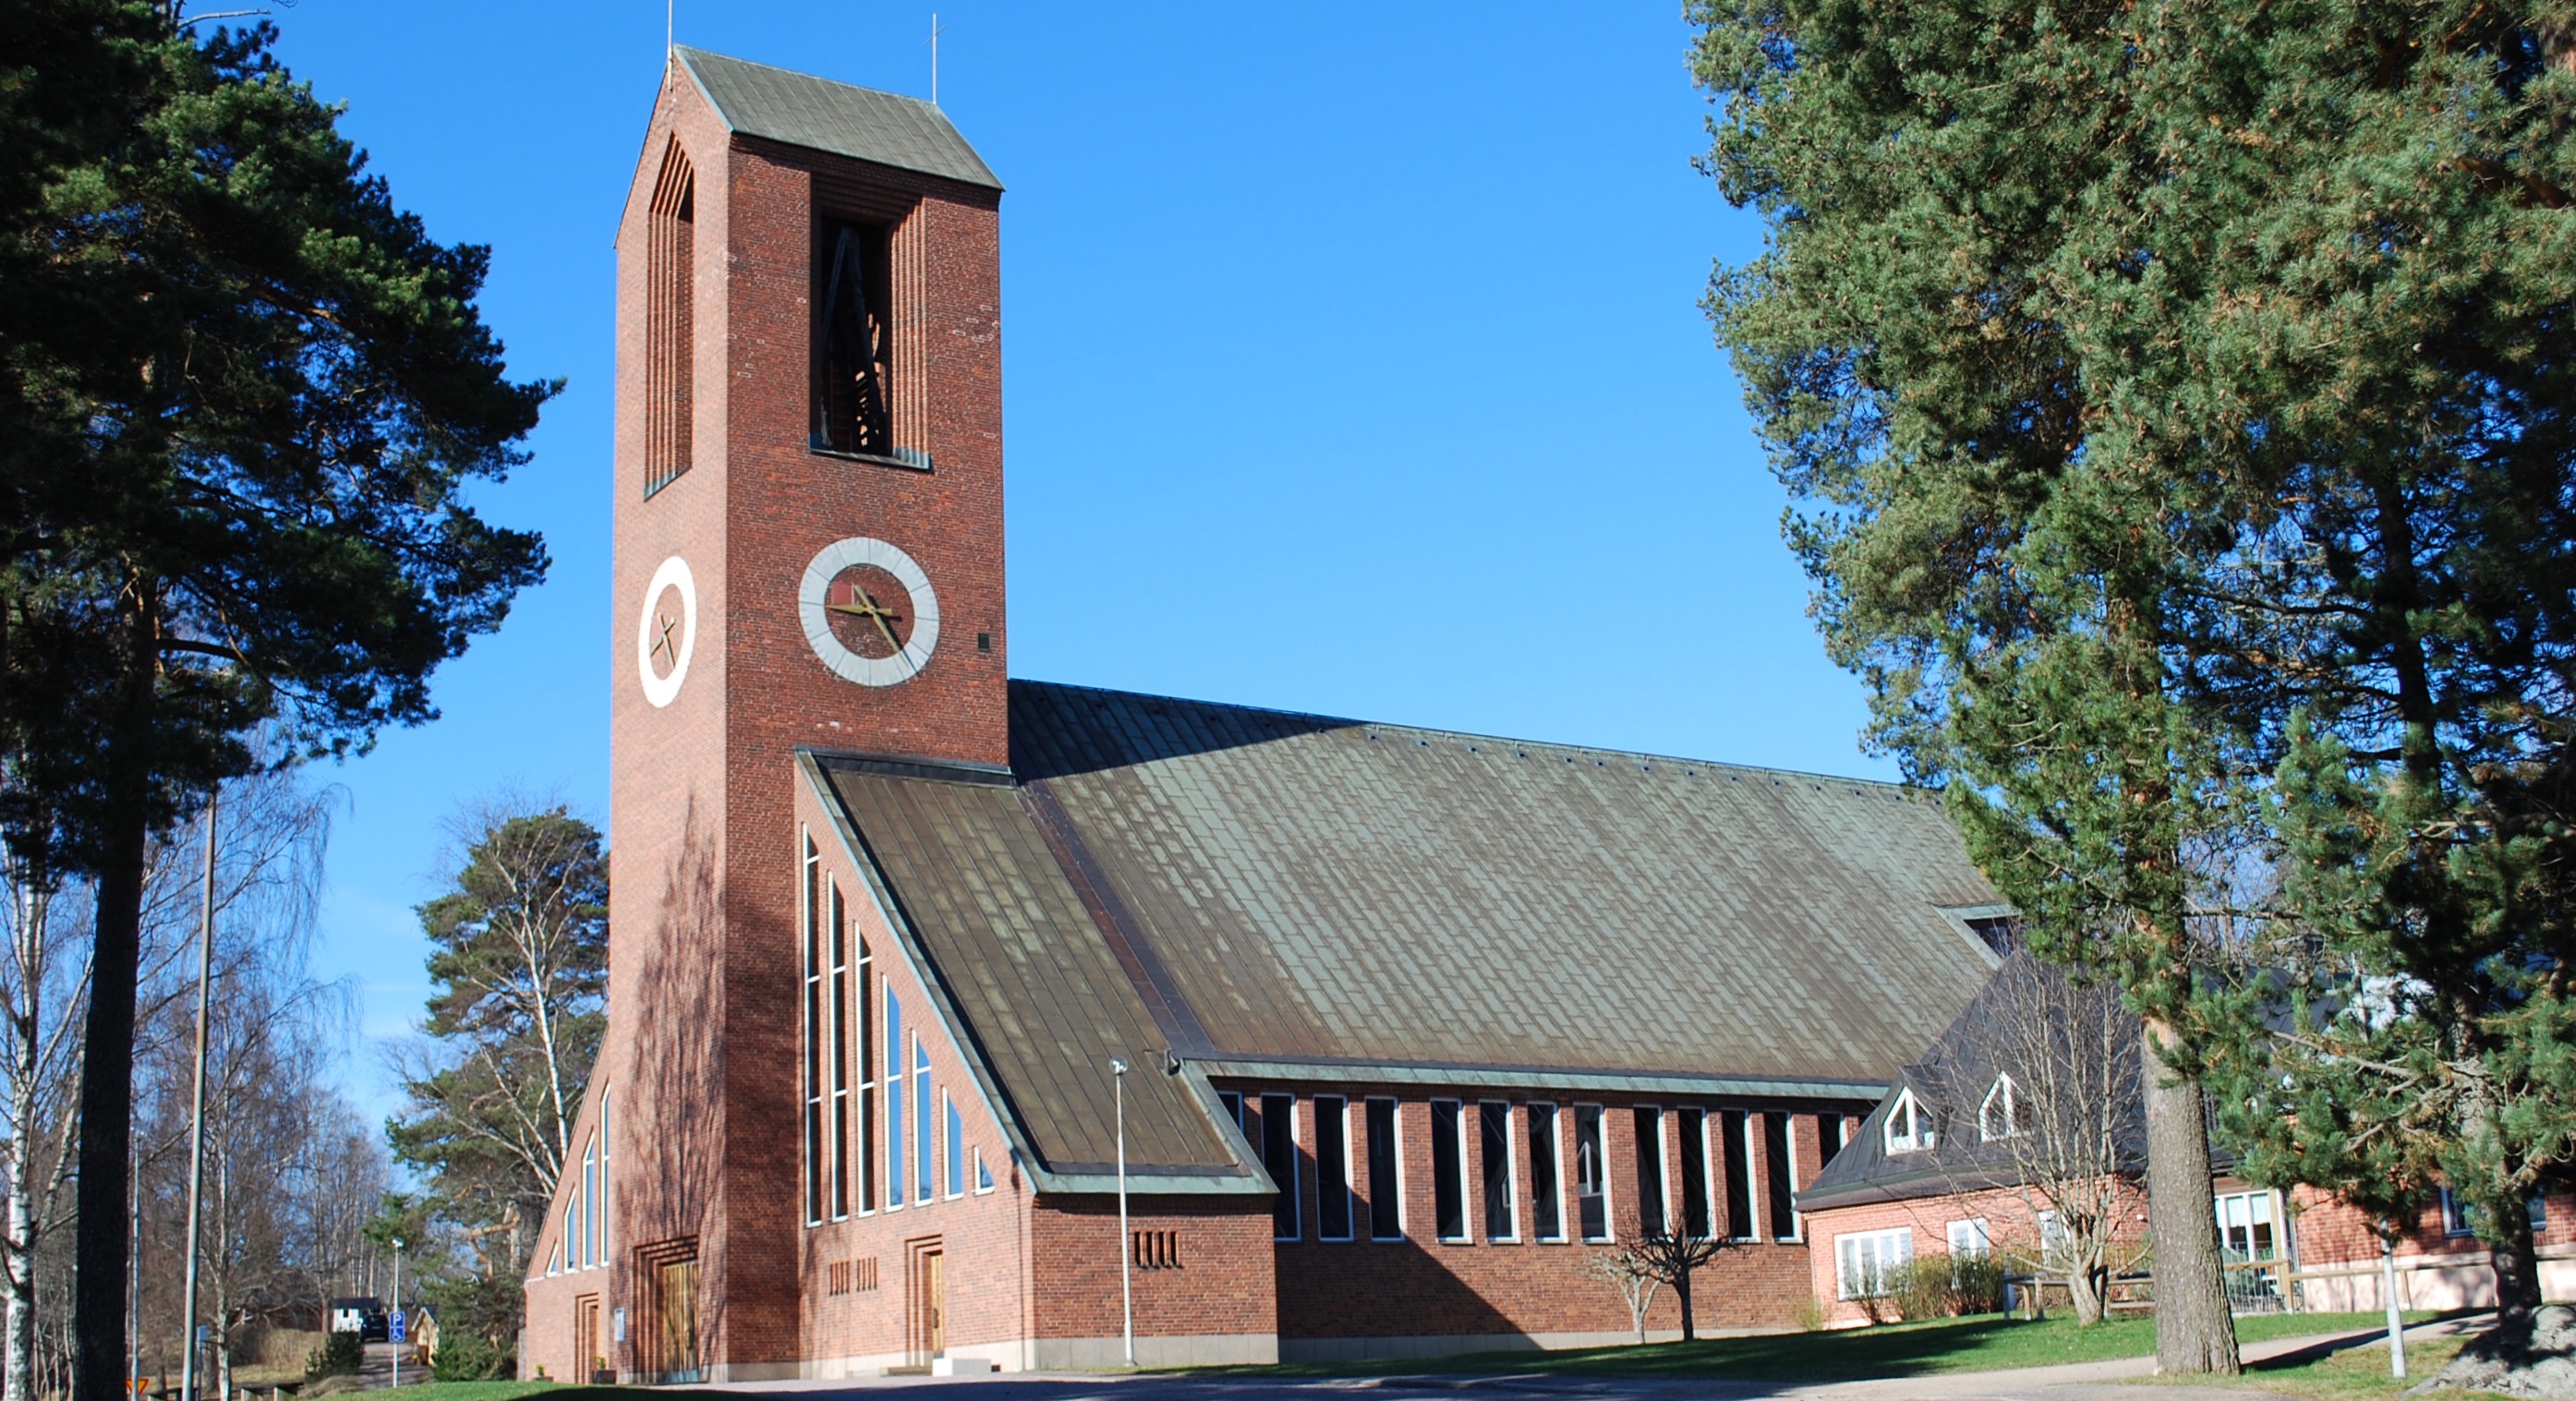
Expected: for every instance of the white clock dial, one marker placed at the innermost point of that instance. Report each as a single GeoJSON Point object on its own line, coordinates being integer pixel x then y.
{"type": "Point", "coordinates": [868, 611]}
{"type": "Point", "coordinates": [667, 632]}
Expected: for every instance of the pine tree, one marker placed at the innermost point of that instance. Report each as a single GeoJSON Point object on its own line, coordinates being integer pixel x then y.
{"type": "Point", "coordinates": [241, 396]}
{"type": "Point", "coordinates": [2174, 400]}
{"type": "Point", "coordinates": [521, 963]}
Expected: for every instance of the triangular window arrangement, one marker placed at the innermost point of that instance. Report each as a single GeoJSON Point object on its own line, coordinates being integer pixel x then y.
{"type": "Point", "coordinates": [2003, 1114]}
{"type": "Point", "coordinates": [1908, 1128]}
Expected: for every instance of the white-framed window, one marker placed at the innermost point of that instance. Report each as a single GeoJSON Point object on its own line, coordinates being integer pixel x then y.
{"type": "Point", "coordinates": [2245, 1230]}
{"type": "Point", "coordinates": [2053, 1240]}
{"type": "Point", "coordinates": [956, 1145]}
{"type": "Point", "coordinates": [607, 1191]}
{"type": "Point", "coordinates": [1591, 1173]}
{"type": "Point", "coordinates": [1908, 1128]}
{"type": "Point", "coordinates": [1654, 1185]}
{"type": "Point", "coordinates": [2003, 1114]}
{"type": "Point", "coordinates": [1970, 1240]}
{"type": "Point", "coordinates": [2460, 1218]}
{"type": "Point", "coordinates": [1385, 1171]}
{"type": "Point", "coordinates": [1333, 1214]}
{"type": "Point", "coordinates": [983, 1173]}
{"type": "Point", "coordinates": [1865, 1262]}
{"type": "Point", "coordinates": [895, 1079]}
{"type": "Point", "coordinates": [1278, 1124]}
{"type": "Point", "coordinates": [1501, 1176]}
{"type": "Point", "coordinates": [1547, 1173]}
{"type": "Point", "coordinates": [1448, 1170]}
{"type": "Point", "coordinates": [925, 1125]}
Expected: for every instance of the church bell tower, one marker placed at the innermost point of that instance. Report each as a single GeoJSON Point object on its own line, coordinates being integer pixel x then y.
{"type": "Point", "coordinates": [808, 555]}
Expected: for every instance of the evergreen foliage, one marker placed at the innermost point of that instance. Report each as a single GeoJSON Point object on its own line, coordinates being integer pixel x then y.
{"type": "Point", "coordinates": [2174, 402]}
{"type": "Point", "coordinates": [242, 396]}
{"type": "Point", "coordinates": [520, 959]}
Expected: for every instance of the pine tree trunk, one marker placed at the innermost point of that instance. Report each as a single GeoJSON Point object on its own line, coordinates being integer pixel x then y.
{"type": "Point", "coordinates": [2194, 1331]}
{"type": "Point", "coordinates": [2516, 1261]}
{"type": "Point", "coordinates": [100, 1238]}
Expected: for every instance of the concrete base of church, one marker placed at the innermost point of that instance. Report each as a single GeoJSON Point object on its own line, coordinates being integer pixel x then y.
{"type": "Point", "coordinates": [1443, 1345]}
{"type": "Point", "coordinates": [1201, 1350]}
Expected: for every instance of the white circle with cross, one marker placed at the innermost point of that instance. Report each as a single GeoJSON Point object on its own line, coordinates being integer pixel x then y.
{"type": "Point", "coordinates": [660, 636]}
{"type": "Point", "coordinates": [815, 608]}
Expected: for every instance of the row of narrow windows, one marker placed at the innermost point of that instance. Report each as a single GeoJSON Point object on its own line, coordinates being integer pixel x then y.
{"type": "Point", "coordinates": [855, 400]}
{"type": "Point", "coordinates": [880, 1131]}
{"type": "Point", "coordinates": [583, 1242]}
{"type": "Point", "coordinates": [1503, 1168]}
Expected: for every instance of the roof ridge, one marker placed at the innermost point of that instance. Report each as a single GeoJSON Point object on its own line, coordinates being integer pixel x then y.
{"type": "Point", "coordinates": [685, 51]}
{"type": "Point", "coordinates": [1392, 725]}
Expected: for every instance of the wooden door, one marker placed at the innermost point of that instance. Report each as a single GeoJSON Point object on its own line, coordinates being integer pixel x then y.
{"type": "Point", "coordinates": [929, 1304]}
{"type": "Point", "coordinates": [677, 1302]}
{"type": "Point", "coordinates": [585, 1332]}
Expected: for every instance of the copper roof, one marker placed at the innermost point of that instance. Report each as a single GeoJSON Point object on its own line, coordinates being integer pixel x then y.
{"type": "Point", "coordinates": [1253, 887]}
{"type": "Point", "coordinates": [819, 114]}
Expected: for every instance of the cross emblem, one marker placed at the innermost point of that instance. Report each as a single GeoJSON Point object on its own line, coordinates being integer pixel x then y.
{"type": "Point", "coordinates": [860, 605]}
{"type": "Point", "coordinates": [665, 645]}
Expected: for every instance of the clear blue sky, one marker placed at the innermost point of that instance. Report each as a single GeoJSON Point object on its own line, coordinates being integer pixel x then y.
{"type": "Point", "coordinates": [1353, 364]}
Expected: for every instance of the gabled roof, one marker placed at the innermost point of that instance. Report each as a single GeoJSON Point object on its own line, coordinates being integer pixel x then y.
{"type": "Point", "coordinates": [1950, 1083]}
{"type": "Point", "coordinates": [1271, 894]}
{"type": "Point", "coordinates": [819, 114]}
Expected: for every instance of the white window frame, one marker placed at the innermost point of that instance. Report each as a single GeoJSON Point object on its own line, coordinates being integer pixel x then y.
{"type": "Point", "coordinates": [1789, 1161]}
{"type": "Point", "coordinates": [1458, 1136]}
{"type": "Point", "coordinates": [1512, 1132]}
{"type": "Point", "coordinates": [982, 1181]}
{"type": "Point", "coordinates": [1556, 1169]}
{"type": "Point", "coordinates": [1851, 1246]}
{"type": "Point", "coordinates": [1609, 1203]}
{"type": "Point", "coordinates": [1918, 1135]}
{"type": "Point", "coordinates": [1294, 1186]}
{"type": "Point", "coordinates": [1970, 1239]}
{"type": "Point", "coordinates": [1350, 1197]}
{"type": "Point", "coordinates": [1663, 1168]}
{"type": "Point", "coordinates": [2009, 1093]}
{"type": "Point", "coordinates": [952, 1134]}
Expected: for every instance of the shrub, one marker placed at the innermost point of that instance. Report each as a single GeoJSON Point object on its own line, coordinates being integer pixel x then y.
{"type": "Point", "coordinates": [1976, 1284]}
{"type": "Point", "coordinates": [1921, 1287]}
{"type": "Point", "coordinates": [339, 1356]}
{"type": "Point", "coordinates": [470, 1357]}
{"type": "Point", "coordinates": [1811, 1314]}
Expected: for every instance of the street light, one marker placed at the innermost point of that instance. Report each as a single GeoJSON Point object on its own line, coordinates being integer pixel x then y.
{"type": "Point", "coordinates": [1126, 1283]}
{"type": "Point", "coordinates": [394, 1329]}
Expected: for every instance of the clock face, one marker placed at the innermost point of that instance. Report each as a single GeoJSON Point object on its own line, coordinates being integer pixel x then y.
{"type": "Point", "coordinates": [868, 611]}
{"type": "Point", "coordinates": [667, 632]}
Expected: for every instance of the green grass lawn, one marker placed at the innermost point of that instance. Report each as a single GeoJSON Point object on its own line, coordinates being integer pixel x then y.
{"type": "Point", "coordinates": [2347, 1374]}
{"type": "Point", "coordinates": [1896, 1350]}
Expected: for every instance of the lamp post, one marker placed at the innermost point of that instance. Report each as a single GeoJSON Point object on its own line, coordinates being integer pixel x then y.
{"type": "Point", "coordinates": [394, 1331]}
{"type": "Point", "coordinates": [197, 1115]}
{"type": "Point", "coordinates": [1126, 1282]}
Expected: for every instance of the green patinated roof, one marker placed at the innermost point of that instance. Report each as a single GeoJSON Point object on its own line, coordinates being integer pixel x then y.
{"type": "Point", "coordinates": [819, 114]}
{"type": "Point", "coordinates": [1247, 885]}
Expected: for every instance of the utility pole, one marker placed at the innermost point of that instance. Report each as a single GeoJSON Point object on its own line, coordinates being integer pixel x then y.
{"type": "Point", "coordinates": [197, 1118]}
{"type": "Point", "coordinates": [934, 58]}
{"type": "Point", "coordinates": [1126, 1284]}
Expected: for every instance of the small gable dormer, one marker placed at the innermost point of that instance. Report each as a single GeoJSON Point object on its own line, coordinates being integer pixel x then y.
{"type": "Point", "coordinates": [1908, 1126]}
{"type": "Point", "coordinates": [2004, 1113]}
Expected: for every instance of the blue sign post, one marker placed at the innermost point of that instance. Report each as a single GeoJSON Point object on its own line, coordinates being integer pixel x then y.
{"type": "Point", "coordinates": [396, 1325]}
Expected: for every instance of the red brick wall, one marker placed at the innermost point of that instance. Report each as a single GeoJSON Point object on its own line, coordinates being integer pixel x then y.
{"type": "Point", "coordinates": [2011, 1225]}
{"type": "Point", "coordinates": [1424, 1287]}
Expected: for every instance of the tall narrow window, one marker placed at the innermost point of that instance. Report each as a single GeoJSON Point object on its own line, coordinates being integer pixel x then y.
{"type": "Point", "coordinates": [894, 1098]}
{"type": "Point", "coordinates": [817, 1039]}
{"type": "Point", "coordinates": [837, 997]}
{"type": "Point", "coordinates": [863, 995]}
{"type": "Point", "coordinates": [1279, 1154]}
{"type": "Point", "coordinates": [1829, 1137]}
{"type": "Point", "coordinates": [606, 1191]}
{"type": "Point", "coordinates": [1332, 1167]}
{"type": "Point", "coordinates": [1547, 1196]}
{"type": "Point", "coordinates": [1693, 1132]}
{"type": "Point", "coordinates": [1591, 1174]}
{"type": "Point", "coordinates": [1733, 1129]}
{"type": "Point", "coordinates": [956, 1148]}
{"type": "Point", "coordinates": [854, 341]}
{"type": "Point", "coordinates": [670, 275]}
{"type": "Point", "coordinates": [1780, 1165]}
{"type": "Point", "coordinates": [1385, 1181]}
{"type": "Point", "coordinates": [590, 1201]}
{"type": "Point", "coordinates": [925, 1123]}
{"type": "Point", "coordinates": [1651, 1220]}
{"type": "Point", "coordinates": [1494, 1140]}
{"type": "Point", "coordinates": [1448, 1170]}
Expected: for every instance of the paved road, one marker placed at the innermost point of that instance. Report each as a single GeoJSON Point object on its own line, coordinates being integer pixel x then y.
{"type": "Point", "coordinates": [2082, 1381]}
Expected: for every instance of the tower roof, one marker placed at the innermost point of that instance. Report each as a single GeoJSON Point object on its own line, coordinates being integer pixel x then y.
{"type": "Point", "coordinates": [802, 110]}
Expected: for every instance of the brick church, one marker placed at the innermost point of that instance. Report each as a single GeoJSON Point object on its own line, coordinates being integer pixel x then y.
{"type": "Point", "coordinates": [1414, 1023]}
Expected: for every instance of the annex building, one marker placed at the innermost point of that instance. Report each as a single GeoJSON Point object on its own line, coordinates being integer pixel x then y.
{"type": "Point", "coordinates": [1414, 1022]}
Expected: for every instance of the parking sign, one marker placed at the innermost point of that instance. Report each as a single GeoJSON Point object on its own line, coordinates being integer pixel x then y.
{"type": "Point", "coordinates": [396, 1324]}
